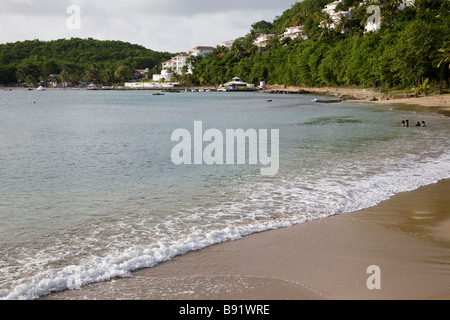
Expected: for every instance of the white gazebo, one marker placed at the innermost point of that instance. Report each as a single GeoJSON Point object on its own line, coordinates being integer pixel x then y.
{"type": "Point", "coordinates": [235, 83]}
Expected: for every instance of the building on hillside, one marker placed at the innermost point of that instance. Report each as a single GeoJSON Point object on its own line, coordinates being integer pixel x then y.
{"type": "Point", "coordinates": [140, 73]}
{"type": "Point", "coordinates": [143, 71]}
{"type": "Point", "coordinates": [164, 76]}
{"type": "Point", "coordinates": [263, 39]}
{"type": "Point", "coordinates": [180, 64]}
{"type": "Point", "coordinates": [294, 33]}
{"type": "Point", "coordinates": [227, 44]}
{"type": "Point", "coordinates": [201, 51]}
{"type": "Point", "coordinates": [335, 16]}
{"type": "Point", "coordinates": [331, 7]}
{"type": "Point", "coordinates": [176, 65]}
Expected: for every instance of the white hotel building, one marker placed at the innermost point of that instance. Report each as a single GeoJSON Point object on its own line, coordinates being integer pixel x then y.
{"type": "Point", "coordinates": [373, 24]}
{"type": "Point", "coordinates": [294, 33]}
{"type": "Point", "coordinates": [330, 9]}
{"type": "Point", "coordinates": [176, 64]}
{"type": "Point", "coordinates": [262, 40]}
{"type": "Point", "coordinates": [201, 51]}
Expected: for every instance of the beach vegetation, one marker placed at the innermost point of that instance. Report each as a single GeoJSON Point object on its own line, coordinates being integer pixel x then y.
{"type": "Point", "coordinates": [442, 56]}
{"type": "Point", "coordinates": [123, 73]}
{"type": "Point", "coordinates": [423, 88]}
{"type": "Point", "coordinates": [411, 46]}
{"type": "Point", "coordinates": [441, 61]}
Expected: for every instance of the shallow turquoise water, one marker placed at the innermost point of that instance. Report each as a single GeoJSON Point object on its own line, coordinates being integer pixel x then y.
{"type": "Point", "coordinates": [89, 190]}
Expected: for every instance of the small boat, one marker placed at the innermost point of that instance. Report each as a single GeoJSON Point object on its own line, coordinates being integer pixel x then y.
{"type": "Point", "coordinates": [41, 88]}
{"type": "Point", "coordinates": [158, 94]}
{"type": "Point", "coordinates": [328, 101]}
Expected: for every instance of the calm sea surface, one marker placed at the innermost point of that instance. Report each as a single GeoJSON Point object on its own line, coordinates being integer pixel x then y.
{"type": "Point", "coordinates": [88, 189]}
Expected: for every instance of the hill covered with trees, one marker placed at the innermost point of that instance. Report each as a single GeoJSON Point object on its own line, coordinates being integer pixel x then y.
{"type": "Point", "coordinates": [411, 46]}
{"type": "Point", "coordinates": [75, 60]}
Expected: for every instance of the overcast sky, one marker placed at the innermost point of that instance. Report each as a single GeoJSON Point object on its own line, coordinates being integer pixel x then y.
{"type": "Point", "coordinates": [162, 25]}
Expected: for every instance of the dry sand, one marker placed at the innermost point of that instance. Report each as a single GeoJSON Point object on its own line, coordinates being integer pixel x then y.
{"type": "Point", "coordinates": [407, 237]}
{"type": "Point", "coordinates": [435, 100]}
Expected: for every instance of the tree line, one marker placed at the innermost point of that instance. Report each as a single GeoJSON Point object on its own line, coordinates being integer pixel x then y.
{"type": "Point", "coordinates": [75, 60]}
{"type": "Point", "coordinates": [412, 45]}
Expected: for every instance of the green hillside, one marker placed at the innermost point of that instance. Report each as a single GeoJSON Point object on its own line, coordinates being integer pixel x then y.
{"type": "Point", "coordinates": [412, 45]}
{"type": "Point", "coordinates": [78, 59]}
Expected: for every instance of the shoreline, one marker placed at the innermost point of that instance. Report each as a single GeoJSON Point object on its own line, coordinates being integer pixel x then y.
{"type": "Point", "coordinates": [439, 101]}
{"type": "Point", "coordinates": [407, 236]}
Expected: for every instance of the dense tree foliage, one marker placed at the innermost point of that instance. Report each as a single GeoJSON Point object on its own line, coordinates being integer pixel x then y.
{"type": "Point", "coordinates": [411, 46]}
{"type": "Point", "coordinates": [74, 59]}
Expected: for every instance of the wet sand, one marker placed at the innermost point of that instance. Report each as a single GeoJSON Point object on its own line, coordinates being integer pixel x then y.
{"type": "Point", "coordinates": [407, 237]}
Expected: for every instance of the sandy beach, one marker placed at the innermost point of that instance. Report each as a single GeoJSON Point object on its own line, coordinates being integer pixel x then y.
{"type": "Point", "coordinates": [407, 237]}
{"type": "Point", "coordinates": [438, 101]}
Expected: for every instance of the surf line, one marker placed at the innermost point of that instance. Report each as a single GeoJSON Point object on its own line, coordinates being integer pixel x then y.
{"type": "Point", "coordinates": [229, 149]}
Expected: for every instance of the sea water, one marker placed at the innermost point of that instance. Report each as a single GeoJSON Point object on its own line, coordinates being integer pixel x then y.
{"type": "Point", "coordinates": [89, 191]}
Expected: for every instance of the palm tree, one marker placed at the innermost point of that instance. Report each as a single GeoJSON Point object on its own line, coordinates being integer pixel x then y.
{"type": "Point", "coordinates": [441, 59]}
{"type": "Point", "coordinates": [296, 20]}
{"type": "Point", "coordinates": [107, 76]}
{"type": "Point", "coordinates": [327, 24]}
{"type": "Point", "coordinates": [390, 10]}
{"type": "Point", "coordinates": [75, 78]}
{"type": "Point", "coordinates": [92, 73]}
{"type": "Point", "coordinates": [442, 56]}
{"type": "Point", "coordinates": [123, 73]}
{"type": "Point", "coordinates": [423, 88]}
{"type": "Point", "coordinates": [20, 75]}
{"type": "Point", "coordinates": [65, 76]}
{"type": "Point", "coordinates": [343, 24]}
{"type": "Point", "coordinates": [30, 80]}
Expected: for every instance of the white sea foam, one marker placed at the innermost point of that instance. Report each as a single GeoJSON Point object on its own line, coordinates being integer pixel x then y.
{"type": "Point", "coordinates": [301, 202]}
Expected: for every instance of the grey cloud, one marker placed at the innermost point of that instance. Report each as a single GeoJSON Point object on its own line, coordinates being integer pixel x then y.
{"type": "Point", "coordinates": [166, 25]}
{"type": "Point", "coordinates": [139, 7]}
{"type": "Point", "coordinates": [33, 8]}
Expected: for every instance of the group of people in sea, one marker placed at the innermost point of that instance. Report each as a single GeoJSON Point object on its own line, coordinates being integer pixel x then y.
{"type": "Point", "coordinates": [405, 123]}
